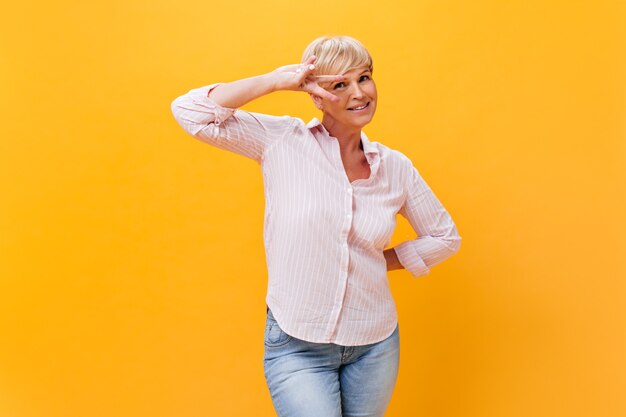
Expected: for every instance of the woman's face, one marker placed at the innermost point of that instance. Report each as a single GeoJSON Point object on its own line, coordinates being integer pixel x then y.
{"type": "Point", "coordinates": [356, 91]}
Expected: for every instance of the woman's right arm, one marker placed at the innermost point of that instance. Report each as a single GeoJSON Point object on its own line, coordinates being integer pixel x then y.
{"type": "Point", "coordinates": [237, 93]}
{"type": "Point", "coordinates": [210, 113]}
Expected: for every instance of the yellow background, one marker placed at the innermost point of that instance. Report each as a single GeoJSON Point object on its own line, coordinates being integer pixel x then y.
{"type": "Point", "coordinates": [132, 266]}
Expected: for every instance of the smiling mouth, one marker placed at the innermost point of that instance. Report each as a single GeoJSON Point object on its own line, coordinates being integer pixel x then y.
{"type": "Point", "coordinates": [360, 108]}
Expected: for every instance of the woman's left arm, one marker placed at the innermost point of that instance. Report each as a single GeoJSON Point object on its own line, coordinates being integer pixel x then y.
{"type": "Point", "coordinates": [438, 237]}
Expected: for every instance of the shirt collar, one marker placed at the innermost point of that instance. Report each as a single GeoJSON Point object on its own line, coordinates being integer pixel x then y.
{"type": "Point", "coordinates": [369, 148]}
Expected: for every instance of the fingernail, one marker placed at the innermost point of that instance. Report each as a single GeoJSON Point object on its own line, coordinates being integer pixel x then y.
{"type": "Point", "coordinates": [311, 67]}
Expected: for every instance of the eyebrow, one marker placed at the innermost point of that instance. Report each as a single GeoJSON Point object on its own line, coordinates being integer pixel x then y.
{"type": "Point", "coordinates": [363, 72]}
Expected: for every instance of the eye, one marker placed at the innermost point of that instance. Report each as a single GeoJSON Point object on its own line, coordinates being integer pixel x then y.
{"type": "Point", "coordinates": [338, 85]}
{"type": "Point", "coordinates": [365, 76]}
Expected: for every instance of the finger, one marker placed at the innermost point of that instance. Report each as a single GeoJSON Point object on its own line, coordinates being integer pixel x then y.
{"type": "Point", "coordinates": [305, 83]}
{"type": "Point", "coordinates": [307, 66]}
{"type": "Point", "coordinates": [306, 76]}
{"type": "Point", "coordinates": [305, 70]}
{"type": "Point", "coordinates": [325, 81]}
{"type": "Point", "coordinates": [325, 94]}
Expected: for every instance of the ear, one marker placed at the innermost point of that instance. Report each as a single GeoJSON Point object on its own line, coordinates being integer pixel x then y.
{"type": "Point", "coordinates": [317, 100]}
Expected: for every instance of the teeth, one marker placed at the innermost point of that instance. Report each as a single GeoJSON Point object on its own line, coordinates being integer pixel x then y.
{"type": "Point", "coordinates": [360, 108]}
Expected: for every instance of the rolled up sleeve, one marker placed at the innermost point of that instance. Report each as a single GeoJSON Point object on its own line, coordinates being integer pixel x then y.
{"type": "Point", "coordinates": [438, 238]}
{"type": "Point", "coordinates": [246, 133]}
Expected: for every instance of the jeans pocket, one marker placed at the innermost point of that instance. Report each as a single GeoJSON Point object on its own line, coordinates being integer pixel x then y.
{"type": "Point", "coordinates": [274, 335]}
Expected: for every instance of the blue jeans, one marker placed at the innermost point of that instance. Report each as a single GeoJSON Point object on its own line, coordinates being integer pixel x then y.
{"type": "Point", "coordinates": [308, 379]}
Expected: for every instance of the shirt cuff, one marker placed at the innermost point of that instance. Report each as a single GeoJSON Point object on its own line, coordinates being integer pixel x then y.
{"type": "Point", "coordinates": [410, 259]}
{"type": "Point", "coordinates": [221, 113]}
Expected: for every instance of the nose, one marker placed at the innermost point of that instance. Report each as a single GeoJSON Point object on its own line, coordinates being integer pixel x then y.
{"type": "Point", "coordinates": [357, 92]}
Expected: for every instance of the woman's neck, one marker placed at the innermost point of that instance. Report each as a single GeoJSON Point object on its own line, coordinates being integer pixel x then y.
{"type": "Point", "coordinates": [349, 137]}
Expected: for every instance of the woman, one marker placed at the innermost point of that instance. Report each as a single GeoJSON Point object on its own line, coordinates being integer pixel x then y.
{"type": "Point", "coordinates": [332, 195]}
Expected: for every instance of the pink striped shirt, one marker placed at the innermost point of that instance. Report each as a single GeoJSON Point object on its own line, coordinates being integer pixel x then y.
{"type": "Point", "coordinates": [324, 236]}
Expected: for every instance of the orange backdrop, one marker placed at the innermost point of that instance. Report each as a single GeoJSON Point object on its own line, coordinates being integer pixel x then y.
{"type": "Point", "coordinates": [132, 270]}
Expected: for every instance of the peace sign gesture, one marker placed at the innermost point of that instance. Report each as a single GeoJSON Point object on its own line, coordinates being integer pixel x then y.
{"type": "Point", "coordinates": [301, 77]}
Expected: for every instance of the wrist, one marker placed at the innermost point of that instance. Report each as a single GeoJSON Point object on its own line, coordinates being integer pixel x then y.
{"type": "Point", "coordinates": [270, 82]}
{"type": "Point", "coordinates": [392, 260]}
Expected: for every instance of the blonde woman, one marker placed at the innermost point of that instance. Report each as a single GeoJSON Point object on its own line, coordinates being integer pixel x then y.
{"type": "Point", "coordinates": [332, 195]}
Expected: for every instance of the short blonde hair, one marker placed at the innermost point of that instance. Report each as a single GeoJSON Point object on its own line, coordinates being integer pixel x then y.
{"type": "Point", "coordinates": [337, 54]}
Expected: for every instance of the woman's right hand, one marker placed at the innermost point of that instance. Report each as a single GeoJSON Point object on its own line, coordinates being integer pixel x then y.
{"type": "Point", "coordinates": [301, 77]}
